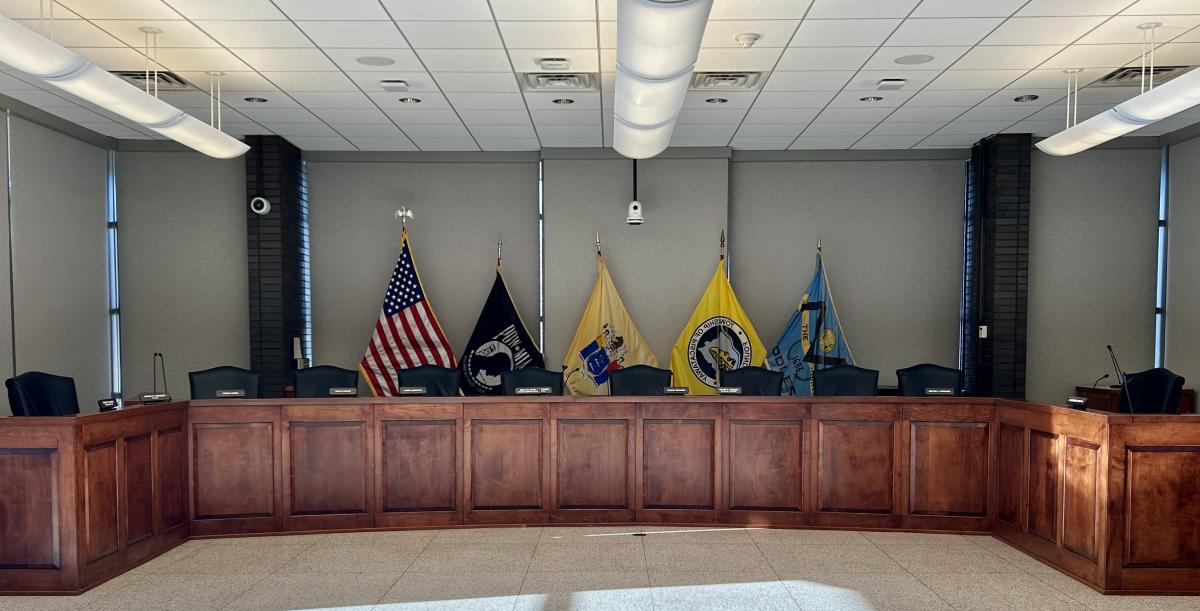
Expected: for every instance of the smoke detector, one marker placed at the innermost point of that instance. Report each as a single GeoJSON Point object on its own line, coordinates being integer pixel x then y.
{"type": "Point", "coordinates": [747, 40]}
{"type": "Point", "coordinates": [554, 63]}
{"type": "Point", "coordinates": [891, 84]}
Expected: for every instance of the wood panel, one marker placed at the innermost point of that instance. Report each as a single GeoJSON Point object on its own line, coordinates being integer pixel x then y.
{"type": "Point", "coordinates": [765, 465]}
{"type": "Point", "coordinates": [172, 497]}
{"type": "Point", "coordinates": [508, 464]}
{"type": "Point", "coordinates": [678, 462]}
{"type": "Point", "coordinates": [419, 462]}
{"type": "Point", "coordinates": [855, 466]}
{"type": "Point", "coordinates": [1162, 521]}
{"type": "Point", "coordinates": [138, 488]}
{"type": "Point", "coordinates": [101, 527]}
{"type": "Point", "coordinates": [327, 457]}
{"type": "Point", "coordinates": [1081, 498]}
{"type": "Point", "coordinates": [948, 468]}
{"type": "Point", "coordinates": [233, 470]}
{"type": "Point", "coordinates": [1043, 485]}
{"type": "Point", "coordinates": [593, 463]}
{"type": "Point", "coordinates": [29, 507]}
{"type": "Point", "coordinates": [1011, 478]}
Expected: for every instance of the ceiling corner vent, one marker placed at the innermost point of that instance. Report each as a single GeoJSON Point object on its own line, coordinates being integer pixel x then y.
{"type": "Point", "coordinates": [1132, 76]}
{"type": "Point", "coordinates": [166, 81]}
{"type": "Point", "coordinates": [558, 81]}
{"type": "Point", "coordinates": [725, 81]}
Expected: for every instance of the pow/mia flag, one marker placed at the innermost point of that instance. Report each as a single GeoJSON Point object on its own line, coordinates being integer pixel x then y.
{"type": "Point", "coordinates": [499, 343]}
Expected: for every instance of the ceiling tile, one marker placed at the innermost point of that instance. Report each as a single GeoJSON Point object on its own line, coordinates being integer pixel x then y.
{"type": "Point", "coordinates": [1124, 29]}
{"type": "Point", "coordinates": [808, 80]}
{"type": "Point", "coordinates": [1054, 77]}
{"type": "Point", "coordinates": [792, 99]}
{"type": "Point", "coordinates": [226, 9]}
{"type": "Point", "coordinates": [410, 116]}
{"type": "Point", "coordinates": [347, 59]}
{"type": "Point", "coordinates": [1037, 128]}
{"type": "Point", "coordinates": [255, 33]}
{"type": "Point", "coordinates": [354, 34]}
{"type": "Point", "coordinates": [477, 82]}
{"type": "Point", "coordinates": [1008, 57]}
{"type": "Point", "coordinates": [386, 129]}
{"type": "Point", "coordinates": [311, 81]}
{"type": "Point", "coordinates": [1072, 7]}
{"type": "Point", "coordinates": [1162, 7]}
{"type": "Point", "coordinates": [274, 99]}
{"type": "Point", "coordinates": [833, 128]}
{"type": "Point", "coordinates": [526, 60]}
{"type": "Point", "coordinates": [906, 128]}
{"type": "Point", "coordinates": [465, 60]}
{"type": "Point", "coordinates": [753, 59]}
{"type": "Point", "coordinates": [967, 8]}
{"type": "Point", "coordinates": [452, 34]}
{"type": "Point", "coordinates": [487, 101]}
{"type": "Point", "coordinates": [383, 144]}
{"type": "Point", "coordinates": [712, 130]}
{"type": "Point", "coordinates": [319, 143]}
{"type": "Point", "coordinates": [800, 116]}
{"type": "Point", "coordinates": [999, 113]}
{"type": "Point", "coordinates": [200, 59]}
{"type": "Point", "coordinates": [768, 130]}
{"type": "Point", "coordinates": [539, 10]}
{"type": "Point", "coordinates": [114, 58]}
{"type": "Point", "coordinates": [823, 142]}
{"type": "Point", "coordinates": [280, 115]}
{"type": "Point", "coordinates": [583, 100]}
{"type": "Point", "coordinates": [509, 144]}
{"type": "Point", "coordinates": [947, 141]}
{"type": "Point", "coordinates": [827, 58]}
{"type": "Point", "coordinates": [933, 113]}
{"type": "Point", "coordinates": [831, 9]}
{"type": "Point", "coordinates": [503, 131]}
{"type": "Point", "coordinates": [174, 33]}
{"type": "Point", "coordinates": [333, 99]}
{"type": "Point", "coordinates": [242, 83]}
{"type": "Point", "coordinates": [549, 34]}
{"type": "Point", "coordinates": [843, 32]}
{"type": "Point", "coordinates": [1178, 54]}
{"type": "Point", "coordinates": [949, 32]}
{"type": "Point", "coordinates": [760, 144]}
{"type": "Point", "coordinates": [1093, 56]}
{"type": "Point", "coordinates": [852, 115]}
{"type": "Point", "coordinates": [712, 115]}
{"type": "Point", "coordinates": [280, 60]}
{"type": "Point", "coordinates": [865, 99]}
{"type": "Point", "coordinates": [447, 10]}
{"type": "Point", "coordinates": [324, 9]}
{"type": "Point", "coordinates": [943, 57]}
{"type": "Point", "coordinates": [428, 101]}
{"type": "Point", "coordinates": [1042, 30]}
{"type": "Point", "coordinates": [588, 142]}
{"type": "Point", "coordinates": [494, 117]}
{"type": "Point", "coordinates": [981, 129]}
{"type": "Point", "coordinates": [32, 9]}
{"type": "Point", "coordinates": [418, 81]}
{"type": "Point", "coordinates": [868, 80]}
{"type": "Point", "coordinates": [1004, 97]}
{"type": "Point", "coordinates": [949, 97]}
{"type": "Point", "coordinates": [300, 129]}
{"type": "Point", "coordinates": [774, 33]}
{"type": "Point", "coordinates": [446, 144]}
{"type": "Point", "coordinates": [874, 141]}
{"type": "Point", "coordinates": [75, 33]}
{"type": "Point", "coordinates": [120, 9]}
{"type": "Point", "coordinates": [437, 131]}
{"type": "Point", "coordinates": [976, 79]}
{"type": "Point", "coordinates": [740, 9]}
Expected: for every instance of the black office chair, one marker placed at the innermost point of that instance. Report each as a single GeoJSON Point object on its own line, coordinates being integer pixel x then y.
{"type": "Point", "coordinates": [35, 393]}
{"type": "Point", "coordinates": [754, 381]}
{"type": "Point", "coordinates": [1154, 391]}
{"type": "Point", "coordinates": [639, 380]}
{"type": "Point", "coordinates": [206, 383]}
{"type": "Point", "coordinates": [915, 380]}
{"type": "Point", "coordinates": [438, 381]}
{"type": "Point", "coordinates": [316, 381]}
{"type": "Point", "coordinates": [845, 381]}
{"type": "Point", "coordinates": [535, 377]}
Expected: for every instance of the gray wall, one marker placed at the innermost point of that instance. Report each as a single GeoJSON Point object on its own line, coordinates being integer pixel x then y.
{"type": "Point", "coordinates": [1183, 280]}
{"type": "Point", "coordinates": [891, 233]}
{"type": "Point", "coordinates": [460, 208]}
{"type": "Point", "coordinates": [184, 284]}
{"type": "Point", "coordinates": [660, 268]}
{"type": "Point", "coordinates": [59, 277]}
{"type": "Point", "coordinates": [1092, 251]}
{"type": "Point", "coordinates": [6, 329]}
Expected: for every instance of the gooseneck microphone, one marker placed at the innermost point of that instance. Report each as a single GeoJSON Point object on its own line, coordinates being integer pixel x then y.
{"type": "Point", "coordinates": [1099, 380]}
{"type": "Point", "coordinates": [1124, 395]}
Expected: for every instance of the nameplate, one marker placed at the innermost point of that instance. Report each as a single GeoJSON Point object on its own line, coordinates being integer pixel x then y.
{"type": "Point", "coordinates": [939, 392]}
{"type": "Point", "coordinates": [108, 405]}
{"type": "Point", "coordinates": [1077, 402]}
{"type": "Point", "coordinates": [154, 397]}
{"type": "Point", "coordinates": [729, 390]}
{"type": "Point", "coordinates": [232, 393]}
{"type": "Point", "coordinates": [412, 390]}
{"type": "Point", "coordinates": [533, 390]}
{"type": "Point", "coordinates": [343, 391]}
{"type": "Point", "coordinates": [676, 390]}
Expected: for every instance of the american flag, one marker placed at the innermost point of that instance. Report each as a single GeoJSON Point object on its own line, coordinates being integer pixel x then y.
{"type": "Point", "coordinates": [407, 333]}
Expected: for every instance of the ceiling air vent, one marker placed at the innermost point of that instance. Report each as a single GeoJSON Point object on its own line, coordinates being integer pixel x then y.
{"type": "Point", "coordinates": [558, 81]}
{"type": "Point", "coordinates": [166, 81]}
{"type": "Point", "coordinates": [1132, 76]}
{"type": "Point", "coordinates": [725, 81]}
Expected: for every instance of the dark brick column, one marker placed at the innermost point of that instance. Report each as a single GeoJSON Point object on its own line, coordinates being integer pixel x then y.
{"type": "Point", "coordinates": [277, 265]}
{"type": "Point", "coordinates": [996, 265]}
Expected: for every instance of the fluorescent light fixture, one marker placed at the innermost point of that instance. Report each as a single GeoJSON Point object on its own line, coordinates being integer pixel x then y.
{"type": "Point", "coordinates": [658, 42]}
{"type": "Point", "coordinates": [30, 52]}
{"type": "Point", "coordinates": [1086, 134]}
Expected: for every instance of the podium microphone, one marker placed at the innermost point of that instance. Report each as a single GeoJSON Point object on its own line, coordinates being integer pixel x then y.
{"type": "Point", "coordinates": [1099, 380]}
{"type": "Point", "coordinates": [157, 363]}
{"type": "Point", "coordinates": [1124, 394]}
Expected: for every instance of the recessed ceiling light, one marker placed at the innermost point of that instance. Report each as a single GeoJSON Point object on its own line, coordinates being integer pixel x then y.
{"type": "Point", "coordinates": [409, 100]}
{"type": "Point", "coordinates": [912, 60]}
{"type": "Point", "coordinates": [716, 100]}
{"type": "Point", "coordinates": [871, 98]}
{"type": "Point", "coordinates": [563, 101]}
{"type": "Point", "coordinates": [255, 100]}
{"type": "Point", "coordinates": [1025, 98]}
{"type": "Point", "coordinates": [375, 60]}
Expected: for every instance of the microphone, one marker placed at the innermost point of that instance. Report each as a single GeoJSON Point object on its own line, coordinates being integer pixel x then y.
{"type": "Point", "coordinates": [1124, 395]}
{"type": "Point", "coordinates": [157, 363]}
{"type": "Point", "coordinates": [1098, 380]}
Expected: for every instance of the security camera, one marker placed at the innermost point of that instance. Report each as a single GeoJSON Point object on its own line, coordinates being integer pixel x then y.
{"type": "Point", "coordinates": [260, 206]}
{"type": "Point", "coordinates": [634, 216]}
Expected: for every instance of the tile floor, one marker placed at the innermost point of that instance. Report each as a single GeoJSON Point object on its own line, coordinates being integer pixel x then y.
{"type": "Point", "coordinates": [534, 569]}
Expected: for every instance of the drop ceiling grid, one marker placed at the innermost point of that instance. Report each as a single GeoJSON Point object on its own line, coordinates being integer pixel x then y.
{"type": "Point", "coordinates": [533, 28]}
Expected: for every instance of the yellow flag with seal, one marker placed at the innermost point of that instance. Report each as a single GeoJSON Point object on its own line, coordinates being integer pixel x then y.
{"type": "Point", "coordinates": [605, 341]}
{"type": "Point", "coordinates": [717, 338]}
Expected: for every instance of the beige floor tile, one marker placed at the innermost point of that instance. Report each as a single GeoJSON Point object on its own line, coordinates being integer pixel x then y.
{"type": "Point", "coordinates": [1113, 602]}
{"type": "Point", "coordinates": [390, 559]}
{"type": "Point", "coordinates": [705, 557]}
{"type": "Point", "coordinates": [178, 592]}
{"type": "Point", "coordinates": [671, 579]}
{"type": "Point", "coordinates": [589, 557]}
{"type": "Point", "coordinates": [588, 600]}
{"type": "Point", "coordinates": [948, 559]}
{"type": "Point", "coordinates": [940, 539]}
{"type": "Point", "coordinates": [580, 590]}
{"type": "Point", "coordinates": [417, 538]}
{"type": "Point", "coordinates": [234, 559]}
{"type": "Point", "coordinates": [306, 591]}
{"type": "Point", "coordinates": [487, 536]}
{"type": "Point", "coordinates": [469, 592]}
{"type": "Point", "coordinates": [306, 539]}
{"type": "Point", "coordinates": [45, 603]}
{"type": "Point", "coordinates": [806, 536]}
{"type": "Point", "coordinates": [861, 591]}
{"type": "Point", "coordinates": [824, 558]}
{"type": "Point", "coordinates": [591, 534]}
{"type": "Point", "coordinates": [697, 534]}
{"type": "Point", "coordinates": [574, 580]}
{"type": "Point", "coordinates": [167, 558]}
{"type": "Point", "coordinates": [471, 560]}
{"type": "Point", "coordinates": [671, 592]}
{"type": "Point", "coordinates": [998, 591]}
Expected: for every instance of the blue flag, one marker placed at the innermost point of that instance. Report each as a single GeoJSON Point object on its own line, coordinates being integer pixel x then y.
{"type": "Point", "coordinates": [796, 354]}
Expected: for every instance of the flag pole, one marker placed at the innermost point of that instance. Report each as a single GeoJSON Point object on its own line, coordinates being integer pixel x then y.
{"type": "Point", "coordinates": [499, 246]}
{"type": "Point", "coordinates": [720, 332]}
{"type": "Point", "coordinates": [598, 253]}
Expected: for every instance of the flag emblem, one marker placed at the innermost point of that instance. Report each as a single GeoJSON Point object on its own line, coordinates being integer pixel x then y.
{"type": "Point", "coordinates": [499, 343]}
{"type": "Point", "coordinates": [718, 344]}
{"type": "Point", "coordinates": [504, 352]}
{"type": "Point", "coordinates": [605, 341]}
{"type": "Point", "coordinates": [718, 337]}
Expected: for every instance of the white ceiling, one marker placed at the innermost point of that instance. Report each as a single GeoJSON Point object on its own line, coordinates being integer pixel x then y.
{"type": "Point", "coordinates": [460, 58]}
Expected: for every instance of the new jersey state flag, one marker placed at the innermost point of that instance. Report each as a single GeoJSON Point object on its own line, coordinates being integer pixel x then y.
{"type": "Point", "coordinates": [605, 341]}
{"type": "Point", "coordinates": [813, 338]}
{"type": "Point", "coordinates": [718, 337]}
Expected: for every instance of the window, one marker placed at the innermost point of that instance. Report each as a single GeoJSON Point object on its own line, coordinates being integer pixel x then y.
{"type": "Point", "coordinates": [1160, 286]}
{"type": "Point", "coordinates": [306, 347]}
{"type": "Point", "coordinates": [541, 256]}
{"type": "Point", "coordinates": [114, 280]}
